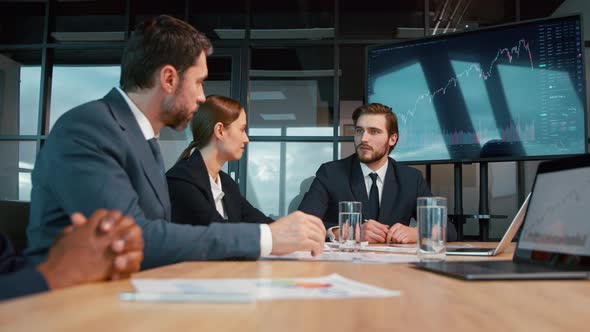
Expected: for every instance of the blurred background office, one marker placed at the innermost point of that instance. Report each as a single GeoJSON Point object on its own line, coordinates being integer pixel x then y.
{"type": "Point", "coordinates": [299, 67]}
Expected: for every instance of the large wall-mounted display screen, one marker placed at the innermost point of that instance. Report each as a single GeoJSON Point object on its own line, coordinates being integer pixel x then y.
{"type": "Point", "coordinates": [510, 92]}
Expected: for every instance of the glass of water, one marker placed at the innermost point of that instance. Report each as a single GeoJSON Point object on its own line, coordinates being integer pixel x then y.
{"type": "Point", "coordinates": [432, 228]}
{"type": "Point", "coordinates": [350, 231]}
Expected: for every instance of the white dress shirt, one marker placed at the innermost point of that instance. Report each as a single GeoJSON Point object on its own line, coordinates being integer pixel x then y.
{"type": "Point", "coordinates": [380, 178]}
{"type": "Point", "coordinates": [368, 183]}
{"type": "Point", "coordinates": [142, 120]}
{"type": "Point", "coordinates": [148, 133]}
{"type": "Point", "coordinates": [218, 194]}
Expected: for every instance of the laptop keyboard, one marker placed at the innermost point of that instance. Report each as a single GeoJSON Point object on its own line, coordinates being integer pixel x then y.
{"type": "Point", "coordinates": [502, 266]}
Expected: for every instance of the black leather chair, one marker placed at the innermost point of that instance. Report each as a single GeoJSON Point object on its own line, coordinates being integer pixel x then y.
{"type": "Point", "coordinates": [14, 218]}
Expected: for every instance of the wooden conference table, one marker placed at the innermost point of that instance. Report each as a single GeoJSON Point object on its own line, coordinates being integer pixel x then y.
{"type": "Point", "coordinates": [428, 302]}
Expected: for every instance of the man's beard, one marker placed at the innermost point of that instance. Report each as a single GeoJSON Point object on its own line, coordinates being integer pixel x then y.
{"type": "Point", "coordinates": [377, 154]}
{"type": "Point", "coordinates": [175, 115]}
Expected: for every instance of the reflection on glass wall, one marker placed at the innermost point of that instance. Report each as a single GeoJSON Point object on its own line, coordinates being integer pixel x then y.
{"type": "Point", "coordinates": [263, 176]}
{"type": "Point", "coordinates": [24, 186]}
{"type": "Point", "coordinates": [291, 107]}
{"type": "Point", "coordinates": [30, 86]}
{"type": "Point", "coordinates": [75, 85]}
{"type": "Point", "coordinates": [293, 96]}
{"type": "Point", "coordinates": [279, 174]}
{"type": "Point", "coordinates": [16, 164]}
{"type": "Point", "coordinates": [19, 104]}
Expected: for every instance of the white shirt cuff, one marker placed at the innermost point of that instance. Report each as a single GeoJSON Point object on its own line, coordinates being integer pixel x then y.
{"type": "Point", "coordinates": [265, 240]}
{"type": "Point", "coordinates": [331, 235]}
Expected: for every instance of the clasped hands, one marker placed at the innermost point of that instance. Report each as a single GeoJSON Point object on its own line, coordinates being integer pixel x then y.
{"type": "Point", "coordinates": [108, 245]}
{"type": "Point", "coordinates": [376, 232]}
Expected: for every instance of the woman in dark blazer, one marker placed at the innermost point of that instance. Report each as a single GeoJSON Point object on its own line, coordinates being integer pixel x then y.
{"type": "Point", "coordinates": [200, 192]}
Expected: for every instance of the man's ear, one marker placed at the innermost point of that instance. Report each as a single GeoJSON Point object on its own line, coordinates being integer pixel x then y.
{"type": "Point", "coordinates": [392, 139]}
{"type": "Point", "coordinates": [168, 78]}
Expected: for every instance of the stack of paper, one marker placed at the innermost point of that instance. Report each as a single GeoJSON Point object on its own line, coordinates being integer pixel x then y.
{"type": "Point", "coordinates": [356, 257]}
{"type": "Point", "coordinates": [247, 290]}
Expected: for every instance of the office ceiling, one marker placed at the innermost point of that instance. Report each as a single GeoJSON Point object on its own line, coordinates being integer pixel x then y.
{"type": "Point", "coordinates": [481, 12]}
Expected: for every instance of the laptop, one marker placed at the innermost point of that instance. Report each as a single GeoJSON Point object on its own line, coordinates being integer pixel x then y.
{"type": "Point", "coordinates": [555, 238]}
{"type": "Point", "coordinates": [506, 239]}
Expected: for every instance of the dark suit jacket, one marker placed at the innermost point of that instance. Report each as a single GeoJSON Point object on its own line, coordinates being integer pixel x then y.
{"type": "Point", "coordinates": [342, 180]}
{"type": "Point", "coordinates": [16, 278]}
{"type": "Point", "coordinates": [97, 157]}
{"type": "Point", "coordinates": [190, 195]}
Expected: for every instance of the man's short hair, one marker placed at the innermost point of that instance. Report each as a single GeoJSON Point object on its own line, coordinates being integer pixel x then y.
{"type": "Point", "coordinates": [376, 108]}
{"type": "Point", "coordinates": [160, 41]}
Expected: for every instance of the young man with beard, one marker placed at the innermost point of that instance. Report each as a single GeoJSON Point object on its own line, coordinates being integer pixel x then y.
{"type": "Point", "coordinates": [105, 154]}
{"type": "Point", "coordinates": [387, 190]}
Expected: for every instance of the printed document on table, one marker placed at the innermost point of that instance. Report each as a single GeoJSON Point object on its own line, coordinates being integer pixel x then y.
{"type": "Point", "coordinates": [394, 247]}
{"type": "Point", "coordinates": [356, 257]}
{"type": "Point", "coordinates": [402, 248]}
{"type": "Point", "coordinates": [333, 286]}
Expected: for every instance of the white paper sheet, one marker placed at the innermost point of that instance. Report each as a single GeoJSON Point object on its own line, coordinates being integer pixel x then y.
{"type": "Point", "coordinates": [356, 257]}
{"type": "Point", "coordinates": [394, 248]}
{"type": "Point", "coordinates": [328, 287]}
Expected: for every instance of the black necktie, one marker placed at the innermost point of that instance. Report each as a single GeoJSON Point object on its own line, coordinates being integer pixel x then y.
{"type": "Point", "coordinates": [155, 146]}
{"type": "Point", "coordinates": [373, 210]}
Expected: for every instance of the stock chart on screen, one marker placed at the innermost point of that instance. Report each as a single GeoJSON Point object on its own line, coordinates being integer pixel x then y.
{"type": "Point", "coordinates": [512, 92]}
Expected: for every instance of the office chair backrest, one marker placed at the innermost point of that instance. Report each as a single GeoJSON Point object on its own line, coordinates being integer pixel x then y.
{"type": "Point", "coordinates": [14, 218]}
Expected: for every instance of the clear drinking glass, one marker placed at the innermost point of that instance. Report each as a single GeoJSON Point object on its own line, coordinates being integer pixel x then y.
{"type": "Point", "coordinates": [350, 226]}
{"type": "Point", "coordinates": [432, 228]}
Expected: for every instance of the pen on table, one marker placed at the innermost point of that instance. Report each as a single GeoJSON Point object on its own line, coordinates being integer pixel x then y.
{"type": "Point", "coordinates": [194, 298]}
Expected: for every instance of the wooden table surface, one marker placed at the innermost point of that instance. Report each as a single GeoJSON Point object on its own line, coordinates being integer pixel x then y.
{"type": "Point", "coordinates": [428, 302]}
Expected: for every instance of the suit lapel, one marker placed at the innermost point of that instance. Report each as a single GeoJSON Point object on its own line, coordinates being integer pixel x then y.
{"type": "Point", "coordinates": [200, 175]}
{"type": "Point", "coordinates": [140, 146]}
{"type": "Point", "coordinates": [357, 184]}
{"type": "Point", "coordinates": [198, 169]}
{"type": "Point", "coordinates": [232, 214]}
{"type": "Point", "coordinates": [389, 195]}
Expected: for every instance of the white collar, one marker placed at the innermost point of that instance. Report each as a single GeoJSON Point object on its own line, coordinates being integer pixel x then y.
{"type": "Point", "coordinates": [380, 172]}
{"type": "Point", "coordinates": [216, 188]}
{"type": "Point", "coordinates": [144, 124]}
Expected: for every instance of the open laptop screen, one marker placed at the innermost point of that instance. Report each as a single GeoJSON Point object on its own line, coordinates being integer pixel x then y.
{"type": "Point", "coordinates": [556, 229]}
